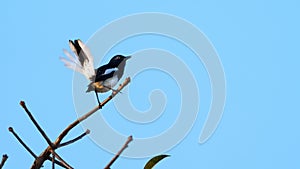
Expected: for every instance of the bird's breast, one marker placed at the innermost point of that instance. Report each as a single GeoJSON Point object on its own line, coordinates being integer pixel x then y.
{"type": "Point", "coordinates": [106, 85]}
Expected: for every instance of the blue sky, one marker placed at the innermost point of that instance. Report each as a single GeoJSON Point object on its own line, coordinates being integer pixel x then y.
{"type": "Point", "coordinates": [257, 42]}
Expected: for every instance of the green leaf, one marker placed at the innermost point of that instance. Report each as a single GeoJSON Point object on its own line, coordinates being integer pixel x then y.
{"type": "Point", "coordinates": [153, 161]}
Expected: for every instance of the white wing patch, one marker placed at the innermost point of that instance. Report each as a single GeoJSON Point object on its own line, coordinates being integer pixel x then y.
{"type": "Point", "coordinates": [107, 71]}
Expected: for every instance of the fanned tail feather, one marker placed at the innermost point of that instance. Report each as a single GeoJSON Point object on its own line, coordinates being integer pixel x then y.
{"type": "Point", "coordinates": [82, 62]}
{"type": "Point", "coordinates": [71, 65]}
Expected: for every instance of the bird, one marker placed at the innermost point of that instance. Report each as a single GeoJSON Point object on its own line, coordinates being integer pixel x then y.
{"type": "Point", "coordinates": [102, 79]}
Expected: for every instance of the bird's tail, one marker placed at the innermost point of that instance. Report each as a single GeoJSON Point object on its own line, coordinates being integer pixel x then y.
{"type": "Point", "coordinates": [82, 62]}
{"type": "Point", "coordinates": [90, 87]}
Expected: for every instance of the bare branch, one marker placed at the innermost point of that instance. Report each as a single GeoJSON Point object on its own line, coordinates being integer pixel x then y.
{"type": "Point", "coordinates": [56, 162]}
{"type": "Point", "coordinates": [51, 145]}
{"type": "Point", "coordinates": [129, 139]}
{"type": "Point", "coordinates": [85, 116]}
{"type": "Point", "coordinates": [46, 153]}
{"type": "Point", "coordinates": [4, 158]}
{"type": "Point", "coordinates": [22, 142]}
{"type": "Point", "coordinates": [75, 139]}
{"type": "Point", "coordinates": [22, 103]}
{"type": "Point", "coordinates": [29, 150]}
{"type": "Point", "coordinates": [53, 163]}
{"type": "Point", "coordinates": [61, 159]}
{"type": "Point", "coordinates": [115, 92]}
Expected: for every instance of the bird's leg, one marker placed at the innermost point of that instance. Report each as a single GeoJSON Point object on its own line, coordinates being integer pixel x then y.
{"type": "Point", "coordinates": [100, 107]}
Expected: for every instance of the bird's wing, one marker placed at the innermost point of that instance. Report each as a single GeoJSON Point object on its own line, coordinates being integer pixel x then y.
{"type": "Point", "coordinates": [82, 62]}
{"type": "Point", "coordinates": [104, 77]}
{"type": "Point", "coordinates": [104, 73]}
{"type": "Point", "coordinates": [101, 70]}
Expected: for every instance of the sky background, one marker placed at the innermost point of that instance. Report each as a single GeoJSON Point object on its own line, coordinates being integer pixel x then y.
{"type": "Point", "coordinates": [258, 45]}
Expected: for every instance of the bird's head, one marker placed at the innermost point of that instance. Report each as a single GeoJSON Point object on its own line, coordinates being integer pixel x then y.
{"type": "Point", "coordinates": [118, 59]}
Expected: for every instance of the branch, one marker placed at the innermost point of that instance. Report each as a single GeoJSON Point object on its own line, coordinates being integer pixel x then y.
{"type": "Point", "coordinates": [22, 103]}
{"type": "Point", "coordinates": [4, 158]}
{"type": "Point", "coordinates": [75, 139]}
{"type": "Point", "coordinates": [129, 139]}
{"type": "Point", "coordinates": [53, 147]}
{"type": "Point", "coordinates": [54, 154]}
{"type": "Point", "coordinates": [115, 92]}
{"type": "Point", "coordinates": [85, 116]}
{"type": "Point", "coordinates": [53, 162]}
{"type": "Point", "coordinates": [38, 162]}
{"type": "Point", "coordinates": [56, 162]}
{"type": "Point", "coordinates": [29, 150]}
{"type": "Point", "coordinates": [22, 142]}
{"type": "Point", "coordinates": [46, 153]}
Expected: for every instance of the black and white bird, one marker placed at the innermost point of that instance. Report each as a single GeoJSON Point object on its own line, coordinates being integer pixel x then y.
{"type": "Point", "coordinates": [102, 79]}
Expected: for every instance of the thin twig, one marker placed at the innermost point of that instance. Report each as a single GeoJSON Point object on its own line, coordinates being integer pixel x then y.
{"type": "Point", "coordinates": [46, 153]}
{"type": "Point", "coordinates": [53, 163]}
{"type": "Point", "coordinates": [129, 139]}
{"type": "Point", "coordinates": [57, 162]}
{"type": "Point", "coordinates": [22, 103]}
{"type": "Point", "coordinates": [53, 147]}
{"type": "Point", "coordinates": [4, 158]}
{"type": "Point", "coordinates": [61, 160]}
{"type": "Point", "coordinates": [29, 150]}
{"type": "Point", "coordinates": [75, 139]}
{"type": "Point", "coordinates": [22, 142]}
{"type": "Point", "coordinates": [41, 158]}
{"type": "Point", "coordinates": [85, 116]}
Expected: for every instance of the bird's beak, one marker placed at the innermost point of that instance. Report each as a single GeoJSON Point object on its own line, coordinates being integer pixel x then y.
{"type": "Point", "coordinates": [128, 57]}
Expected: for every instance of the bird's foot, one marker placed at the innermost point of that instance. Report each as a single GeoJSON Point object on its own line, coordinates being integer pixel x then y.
{"type": "Point", "coordinates": [115, 91]}
{"type": "Point", "coordinates": [100, 106]}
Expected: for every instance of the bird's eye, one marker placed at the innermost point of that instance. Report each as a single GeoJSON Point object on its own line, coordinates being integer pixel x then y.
{"type": "Point", "coordinates": [118, 57]}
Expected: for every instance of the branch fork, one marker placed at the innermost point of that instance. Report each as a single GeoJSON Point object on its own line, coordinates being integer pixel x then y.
{"type": "Point", "coordinates": [52, 146]}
